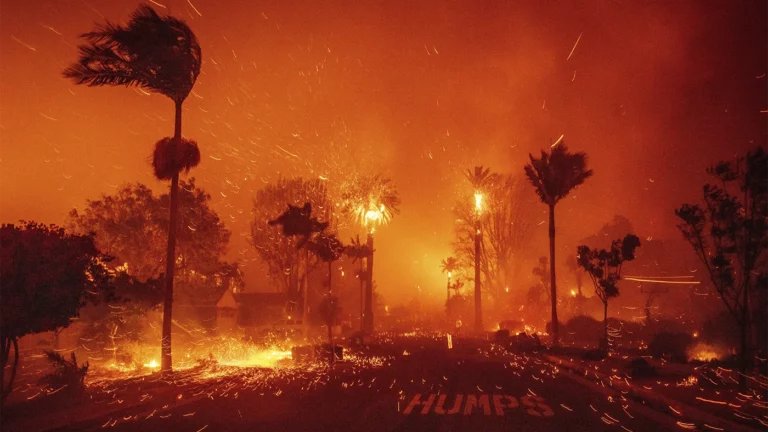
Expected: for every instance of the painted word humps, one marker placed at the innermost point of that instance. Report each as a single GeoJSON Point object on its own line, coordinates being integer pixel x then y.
{"type": "Point", "coordinates": [486, 403]}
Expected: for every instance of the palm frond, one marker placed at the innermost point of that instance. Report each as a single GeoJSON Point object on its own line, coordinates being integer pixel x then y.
{"type": "Point", "coordinates": [159, 53]}
{"type": "Point", "coordinates": [555, 174]}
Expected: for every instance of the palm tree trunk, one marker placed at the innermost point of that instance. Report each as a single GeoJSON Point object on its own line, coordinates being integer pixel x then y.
{"type": "Point", "coordinates": [553, 294]}
{"type": "Point", "coordinates": [170, 259]}
{"type": "Point", "coordinates": [368, 316]}
{"type": "Point", "coordinates": [478, 296]}
{"type": "Point", "coordinates": [330, 316]}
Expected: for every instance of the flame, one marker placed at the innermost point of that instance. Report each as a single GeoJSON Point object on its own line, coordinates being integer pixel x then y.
{"type": "Point", "coordinates": [478, 202]}
{"type": "Point", "coordinates": [152, 364]}
{"type": "Point", "coordinates": [706, 352]}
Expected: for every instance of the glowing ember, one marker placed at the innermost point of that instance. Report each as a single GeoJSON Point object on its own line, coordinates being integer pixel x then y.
{"type": "Point", "coordinates": [264, 358]}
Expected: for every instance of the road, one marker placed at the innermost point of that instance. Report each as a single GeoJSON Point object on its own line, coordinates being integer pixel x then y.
{"type": "Point", "coordinates": [423, 387]}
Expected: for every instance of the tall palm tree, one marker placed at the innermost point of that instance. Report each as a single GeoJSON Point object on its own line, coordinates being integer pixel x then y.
{"type": "Point", "coordinates": [370, 200]}
{"type": "Point", "coordinates": [481, 180]}
{"type": "Point", "coordinates": [160, 54]}
{"type": "Point", "coordinates": [553, 176]}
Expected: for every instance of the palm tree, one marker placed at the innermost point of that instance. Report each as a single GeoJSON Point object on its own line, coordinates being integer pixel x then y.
{"type": "Point", "coordinates": [553, 176]}
{"type": "Point", "coordinates": [298, 222]}
{"type": "Point", "coordinates": [449, 265]}
{"type": "Point", "coordinates": [359, 251]}
{"type": "Point", "coordinates": [328, 248]}
{"type": "Point", "coordinates": [370, 200]}
{"type": "Point", "coordinates": [160, 54]}
{"type": "Point", "coordinates": [481, 180]}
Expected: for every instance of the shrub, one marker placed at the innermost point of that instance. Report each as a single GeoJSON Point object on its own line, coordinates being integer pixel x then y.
{"type": "Point", "coordinates": [671, 346]}
{"type": "Point", "coordinates": [640, 368]}
{"type": "Point", "coordinates": [583, 329]}
{"type": "Point", "coordinates": [65, 373]}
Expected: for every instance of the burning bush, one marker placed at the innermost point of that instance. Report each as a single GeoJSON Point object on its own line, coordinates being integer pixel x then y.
{"type": "Point", "coordinates": [705, 352]}
{"type": "Point", "coordinates": [66, 374]}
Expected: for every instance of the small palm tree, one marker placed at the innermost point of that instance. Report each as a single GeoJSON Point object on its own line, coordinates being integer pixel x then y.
{"type": "Point", "coordinates": [328, 248]}
{"type": "Point", "coordinates": [160, 54]}
{"type": "Point", "coordinates": [298, 222]}
{"type": "Point", "coordinates": [553, 176]}
{"type": "Point", "coordinates": [449, 266]}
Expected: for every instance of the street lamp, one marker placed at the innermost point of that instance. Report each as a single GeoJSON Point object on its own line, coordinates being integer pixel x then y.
{"type": "Point", "coordinates": [478, 240]}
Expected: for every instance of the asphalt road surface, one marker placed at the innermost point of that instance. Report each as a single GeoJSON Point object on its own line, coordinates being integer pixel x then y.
{"type": "Point", "coordinates": [423, 387]}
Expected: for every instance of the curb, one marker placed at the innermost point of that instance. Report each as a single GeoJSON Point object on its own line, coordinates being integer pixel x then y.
{"type": "Point", "coordinates": [652, 399]}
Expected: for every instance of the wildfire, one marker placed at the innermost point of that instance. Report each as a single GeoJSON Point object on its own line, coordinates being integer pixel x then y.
{"type": "Point", "coordinates": [706, 352]}
{"type": "Point", "coordinates": [153, 364]}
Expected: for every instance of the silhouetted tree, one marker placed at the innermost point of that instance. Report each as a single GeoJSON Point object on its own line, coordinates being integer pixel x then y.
{"type": "Point", "coordinates": [507, 223]}
{"type": "Point", "coordinates": [298, 222]}
{"type": "Point", "coordinates": [328, 248]}
{"type": "Point", "coordinates": [359, 251]}
{"type": "Point", "coordinates": [449, 266]}
{"type": "Point", "coordinates": [553, 176]}
{"type": "Point", "coordinates": [538, 294]}
{"type": "Point", "coordinates": [46, 276]}
{"type": "Point", "coordinates": [161, 54]}
{"type": "Point", "coordinates": [132, 226]}
{"type": "Point", "coordinates": [604, 268]}
{"type": "Point", "coordinates": [729, 234]}
{"type": "Point", "coordinates": [370, 200]}
{"type": "Point", "coordinates": [280, 253]}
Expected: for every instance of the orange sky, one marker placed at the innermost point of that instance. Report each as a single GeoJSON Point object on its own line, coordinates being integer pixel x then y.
{"type": "Point", "coordinates": [653, 92]}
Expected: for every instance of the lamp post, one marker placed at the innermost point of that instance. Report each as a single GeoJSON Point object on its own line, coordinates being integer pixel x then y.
{"type": "Point", "coordinates": [478, 240]}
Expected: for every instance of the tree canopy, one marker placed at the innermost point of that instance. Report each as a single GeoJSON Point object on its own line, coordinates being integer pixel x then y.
{"type": "Point", "coordinates": [46, 276]}
{"type": "Point", "coordinates": [132, 225]}
{"type": "Point", "coordinates": [277, 251]}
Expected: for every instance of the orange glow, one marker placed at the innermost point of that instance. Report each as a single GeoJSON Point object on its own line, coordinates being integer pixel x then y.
{"type": "Point", "coordinates": [478, 202]}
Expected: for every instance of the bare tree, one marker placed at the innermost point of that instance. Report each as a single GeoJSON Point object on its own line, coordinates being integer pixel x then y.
{"type": "Point", "coordinates": [507, 229]}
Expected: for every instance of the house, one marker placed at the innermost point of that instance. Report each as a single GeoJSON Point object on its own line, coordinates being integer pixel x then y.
{"type": "Point", "coordinates": [236, 310]}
